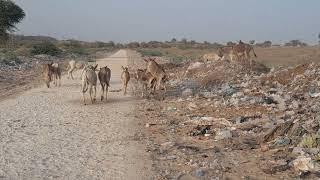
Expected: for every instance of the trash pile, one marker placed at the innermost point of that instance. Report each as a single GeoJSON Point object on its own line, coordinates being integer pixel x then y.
{"type": "Point", "coordinates": [16, 74]}
{"type": "Point", "coordinates": [226, 120]}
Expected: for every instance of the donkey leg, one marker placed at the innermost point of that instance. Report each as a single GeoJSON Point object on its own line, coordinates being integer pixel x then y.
{"type": "Point", "coordinates": [102, 92]}
{"type": "Point", "coordinates": [84, 98]}
{"type": "Point", "coordinates": [95, 93]}
{"type": "Point", "coordinates": [107, 89]}
{"type": "Point", "coordinates": [90, 92]}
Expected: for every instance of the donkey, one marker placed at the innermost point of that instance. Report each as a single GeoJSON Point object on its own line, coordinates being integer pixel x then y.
{"type": "Point", "coordinates": [125, 78]}
{"type": "Point", "coordinates": [104, 76]}
{"type": "Point", "coordinates": [89, 80]}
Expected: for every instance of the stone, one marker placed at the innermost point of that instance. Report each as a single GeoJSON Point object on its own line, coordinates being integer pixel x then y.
{"type": "Point", "coordinates": [264, 147]}
{"type": "Point", "coordinates": [187, 92]}
{"type": "Point", "coordinates": [195, 65]}
{"type": "Point", "coordinates": [303, 163]}
{"type": "Point", "coordinates": [282, 141]}
{"type": "Point", "coordinates": [169, 108]}
{"type": "Point", "coordinates": [200, 172]}
{"type": "Point", "coordinates": [280, 101]}
{"type": "Point", "coordinates": [223, 134]}
{"type": "Point", "coordinates": [228, 90]}
{"type": "Point", "coordinates": [290, 113]}
{"type": "Point", "coordinates": [295, 105]}
{"type": "Point", "coordinates": [192, 106]}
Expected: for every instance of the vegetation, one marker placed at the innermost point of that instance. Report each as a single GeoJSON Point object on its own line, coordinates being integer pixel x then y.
{"type": "Point", "coordinates": [45, 48]}
{"type": "Point", "coordinates": [10, 15]}
{"type": "Point", "coordinates": [150, 52]}
{"type": "Point", "coordinates": [265, 44]}
{"type": "Point", "coordinates": [311, 141]}
{"type": "Point", "coordinates": [296, 43]}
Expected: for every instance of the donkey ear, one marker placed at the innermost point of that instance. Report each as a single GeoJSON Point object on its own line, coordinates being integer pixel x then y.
{"type": "Point", "coordinates": [95, 67]}
{"type": "Point", "coordinates": [122, 67]}
{"type": "Point", "coordinates": [146, 60]}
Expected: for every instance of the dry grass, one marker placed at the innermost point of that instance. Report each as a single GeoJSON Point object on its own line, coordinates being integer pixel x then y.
{"type": "Point", "coordinates": [271, 57]}
{"type": "Point", "coordinates": [287, 56]}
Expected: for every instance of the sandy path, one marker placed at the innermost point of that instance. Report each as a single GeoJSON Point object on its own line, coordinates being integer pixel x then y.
{"type": "Point", "coordinates": [49, 134]}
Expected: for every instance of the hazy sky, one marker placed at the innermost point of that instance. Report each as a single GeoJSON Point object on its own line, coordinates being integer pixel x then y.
{"type": "Point", "coordinates": [145, 20]}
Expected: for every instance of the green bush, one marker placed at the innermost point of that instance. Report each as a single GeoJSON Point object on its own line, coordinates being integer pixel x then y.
{"type": "Point", "coordinates": [75, 47]}
{"type": "Point", "coordinates": [9, 58]}
{"type": "Point", "coordinates": [45, 48]}
{"type": "Point", "coordinates": [147, 52]}
{"type": "Point", "coordinates": [311, 141]}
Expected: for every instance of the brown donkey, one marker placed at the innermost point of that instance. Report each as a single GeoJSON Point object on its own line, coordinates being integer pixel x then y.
{"type": "Point", "coordinates": [104, 76]}
{"type": "Point", "coordinates": [125, 78]}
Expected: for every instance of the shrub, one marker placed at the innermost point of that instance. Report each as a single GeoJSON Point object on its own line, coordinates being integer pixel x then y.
{"type": "Point", "coordinates": [311, 141]}
{"type": "Point", "coordinates": [45, 48]}
{"type": "Point", "coordinates": [75, 47]}
{"type": "Point", "coordinates": [145, 52]}
{"type": "Point", "coordinates": [9, 58]}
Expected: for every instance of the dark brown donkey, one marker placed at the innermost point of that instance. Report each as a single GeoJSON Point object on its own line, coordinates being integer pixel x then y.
{"type": "Point", "coordinates": [104, 78]}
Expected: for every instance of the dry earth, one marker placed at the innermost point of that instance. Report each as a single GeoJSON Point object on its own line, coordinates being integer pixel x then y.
{"type": "Point", "coordinates": [49, 134]}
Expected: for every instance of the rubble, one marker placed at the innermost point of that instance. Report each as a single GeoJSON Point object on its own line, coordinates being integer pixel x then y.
{"type": "Point", "coordinates": [265, 121]}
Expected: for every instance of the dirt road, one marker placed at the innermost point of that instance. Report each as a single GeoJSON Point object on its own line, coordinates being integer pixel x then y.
{"type": "Point", "coordinates": [49, 134]}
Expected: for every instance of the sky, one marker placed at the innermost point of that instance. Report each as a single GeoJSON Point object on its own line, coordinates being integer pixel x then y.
{"type": "Point", "coordinates": [146, 20]}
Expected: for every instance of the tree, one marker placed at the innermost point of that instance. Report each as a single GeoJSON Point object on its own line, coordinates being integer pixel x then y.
{"type": "Point", "coordinates": [252, 42]}
{"type": "Point", "coordinates": [184, 41]}
{"type": "Point", "coordinates": [45, 48]}
{"type": "Point", "coordinates": [230, 43]}
{"type": "Point", "coordinates": [10, 15]}
{"type": "Point", "coordinates": [173, 40]}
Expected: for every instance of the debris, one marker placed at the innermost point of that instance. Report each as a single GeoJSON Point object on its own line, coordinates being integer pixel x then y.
{"type": "Point", "coordinates": [195, 65]}
{"type": "Point", "coordinates": [303, 163]}
{"type": "Point", "coordinates": [169, 108]}
{"type": "Point", "coordinates": [200, 172]}
{"type": "Point", "coordinates": [149, 124]}
{"type": "Point", "coordinates": [223, 134]}
{"type": "Point", "coordinates": [187, 92]}
{"type": "Point", "coordinates": [279, 130]}
{"type": "Point", "coordinates": [273, 167]}
{"type": "Point", "coordinates": [282, 141]}
{"type": "Point", "coordinates": [200, 130]}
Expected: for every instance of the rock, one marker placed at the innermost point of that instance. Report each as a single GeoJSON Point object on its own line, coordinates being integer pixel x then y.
{"type": "Point", "coordinates": [195, 65]}
{"type": "Point", "coordinates": [170, 144]}
{"type": "Point", "coordinates": [192, 106]}
{"type": "Point", "coordinates": [187, 92]}
{"type": "Point", "coordinates": [279, 130]}
{"type": "Point", "coordinates": [273, 167]}
{"type": "Point", "coordinates": [295, 105]}
{"type": "Point", "coordinates": [290, 113]}
{"type": "Point", "coordinates": [298, 151]}
{"type": "Point", "coordinates": [269, 100]}
{"type": "Point", "coordinates": [314, 95]}
{"type": "Point", "coordinates": [172, 157]}
{"type": "Point", "coordinates": [303, 163]}
{"type": "Point", "coordinates": [282, 141]}
{"type": "Point", "coordinates": [169, 108]}
{"type": "Point", "coordinates": [223, 134]}
{"type": "Point", "coordinates": [237, 95]}
{"type": "Point", "coordinates": [228, 90]}
{"type": "Point", "coordinates": [234, 101]}
{"type": "Point", "coordinates": [200, 172]}
{"type": "Point", "coordinates": [264, 147]}
{"type": "Point", "coordinates": [281, 102]}
{"type": "Point", "coordinates": [200, 130]}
